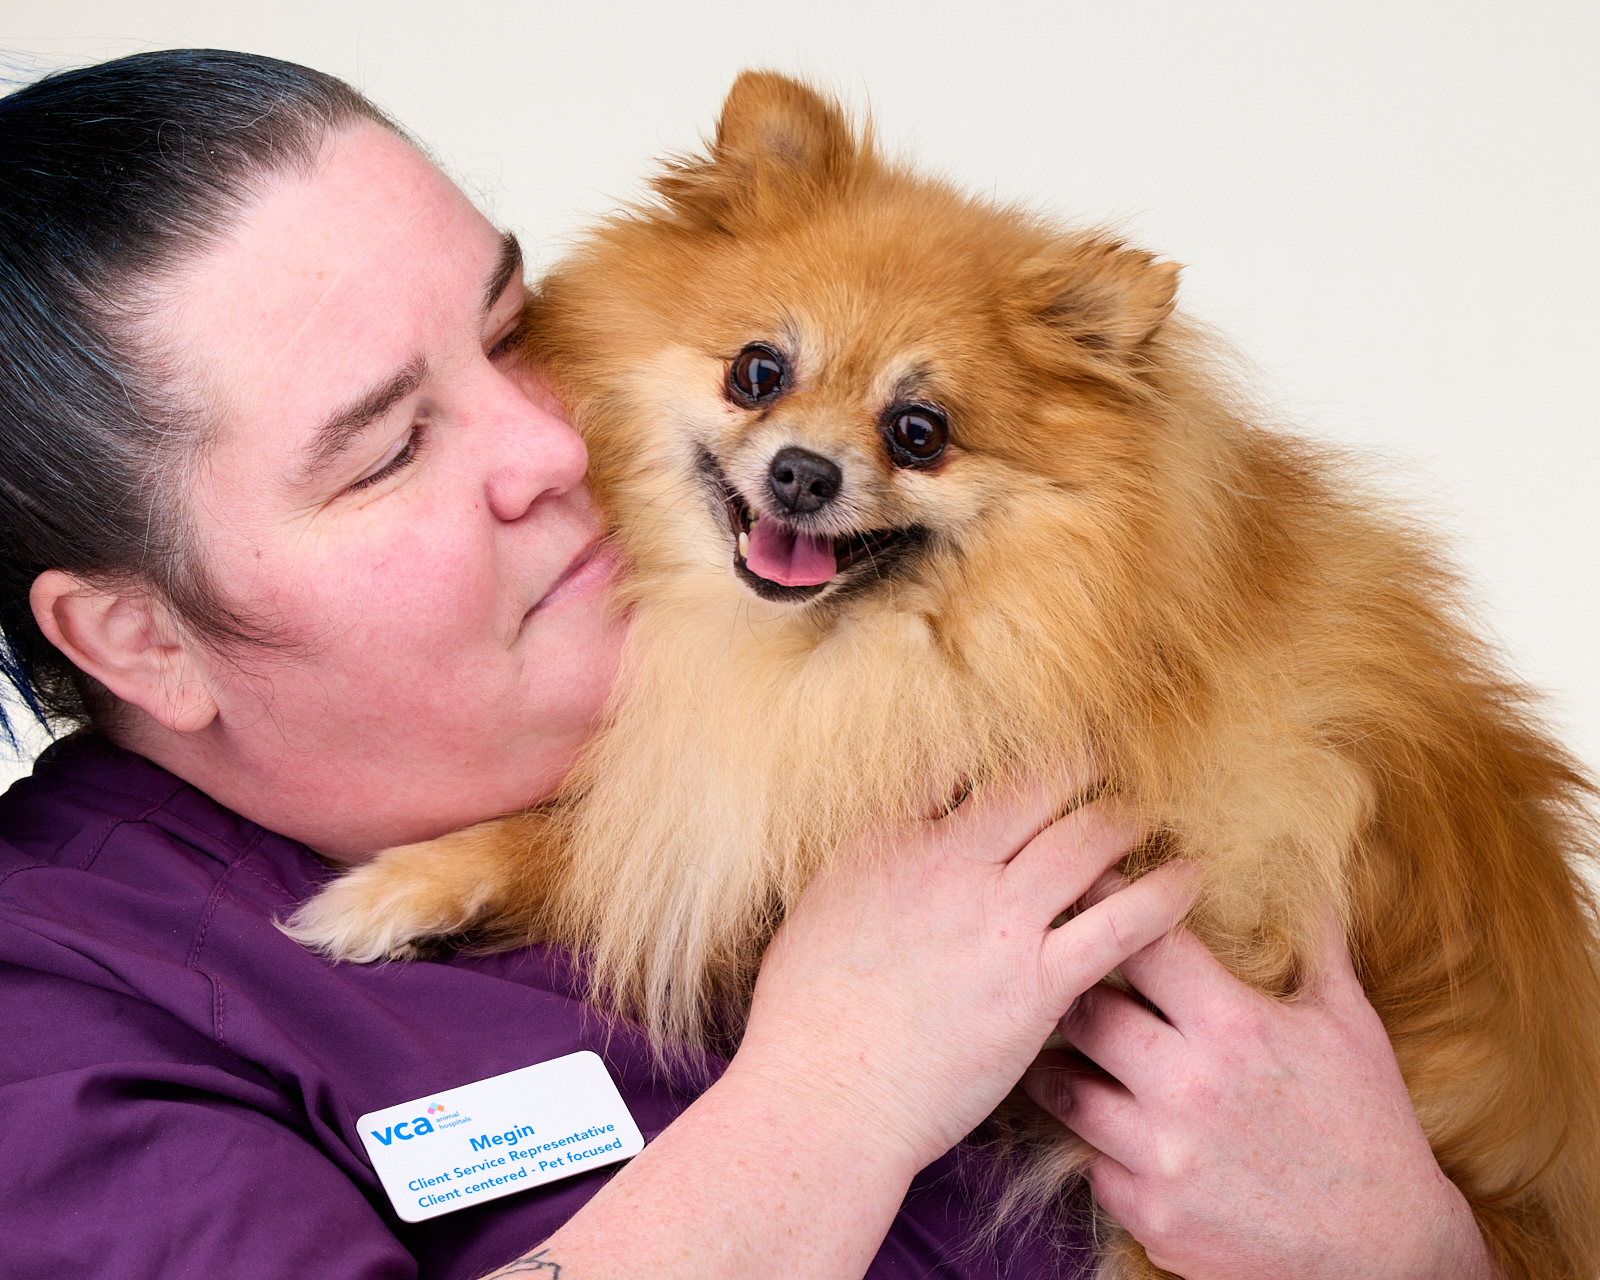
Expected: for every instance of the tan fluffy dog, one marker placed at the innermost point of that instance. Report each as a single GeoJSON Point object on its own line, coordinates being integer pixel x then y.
{"type": "Point", "coordinates": [919, 490]}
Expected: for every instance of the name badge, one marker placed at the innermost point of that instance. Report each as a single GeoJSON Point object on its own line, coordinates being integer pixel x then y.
{"type": "Point", "coordinates": [488, 1139]}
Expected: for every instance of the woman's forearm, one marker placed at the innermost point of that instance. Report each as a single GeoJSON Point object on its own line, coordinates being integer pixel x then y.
{"type": "Point", "coordinates": [751, 1181]}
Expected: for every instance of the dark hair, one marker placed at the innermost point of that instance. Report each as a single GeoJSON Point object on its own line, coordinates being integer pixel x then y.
{"type": "Point", "coordinates": [109, 176]}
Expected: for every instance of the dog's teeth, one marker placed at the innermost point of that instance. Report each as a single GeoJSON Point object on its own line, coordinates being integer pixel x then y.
{"type": "Point", "coordinates": [744, 545]}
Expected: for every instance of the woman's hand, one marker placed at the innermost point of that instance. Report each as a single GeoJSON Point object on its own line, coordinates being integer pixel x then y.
{"type": "Point", "coordinates": [919, 976]}
{"type": "Point", "coordinates": [902, 999]}
{"type": "Point", "coordinates": [1246, 1137]}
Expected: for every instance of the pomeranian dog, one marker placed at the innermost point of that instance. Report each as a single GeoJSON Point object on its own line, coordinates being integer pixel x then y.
{"type": "Point", "coordinates": [914, 487]}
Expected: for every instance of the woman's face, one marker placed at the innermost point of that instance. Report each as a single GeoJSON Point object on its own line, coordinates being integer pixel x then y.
{"type": "Point", "coordinates": [384, 495]}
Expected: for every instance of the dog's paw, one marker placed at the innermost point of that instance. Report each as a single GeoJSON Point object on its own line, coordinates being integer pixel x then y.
{"type": "Point", "coordinates": [371, 913]}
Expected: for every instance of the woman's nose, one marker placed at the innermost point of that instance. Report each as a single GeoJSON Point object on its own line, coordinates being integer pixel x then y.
{"type": "Point", "coordinates": [537, 453]}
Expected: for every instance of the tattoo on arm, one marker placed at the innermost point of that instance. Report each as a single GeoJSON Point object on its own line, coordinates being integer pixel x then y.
{"type": "Point", "coordinates": [531, 1265]}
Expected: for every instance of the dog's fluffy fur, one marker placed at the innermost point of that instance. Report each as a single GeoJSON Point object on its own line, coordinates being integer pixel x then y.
{"type": "Point", "coordinates": [1111, 556]}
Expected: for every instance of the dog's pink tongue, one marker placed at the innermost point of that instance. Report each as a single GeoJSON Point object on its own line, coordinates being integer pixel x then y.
{"type": "Point", "coordinates": [790, 559]}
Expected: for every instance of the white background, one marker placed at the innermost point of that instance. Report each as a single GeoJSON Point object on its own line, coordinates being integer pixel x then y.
{"type": "Point", "coordinates": [1391, 207]}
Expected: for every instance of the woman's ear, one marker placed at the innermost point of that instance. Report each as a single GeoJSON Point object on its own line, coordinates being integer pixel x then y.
{"type": "Point", "coordinates": [131, 644]}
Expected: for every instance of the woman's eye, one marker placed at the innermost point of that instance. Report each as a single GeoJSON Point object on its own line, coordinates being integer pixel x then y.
{"type": "Point", "coordinates": [917, 434]}
{"type": "Point", "coordinates": [758, 373]}
{"type": "Point", "coordinates": [505, 344]}
{"type": "Point", "coordinates": [398, 461]}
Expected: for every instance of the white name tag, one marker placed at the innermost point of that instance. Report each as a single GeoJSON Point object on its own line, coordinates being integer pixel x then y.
{"type": "Point", "coordinates": [493, 1137]}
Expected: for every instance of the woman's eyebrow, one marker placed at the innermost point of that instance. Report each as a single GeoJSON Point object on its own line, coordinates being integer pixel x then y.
{"type": "Point", "coordinates": [344, 425]}
{"type": "Point", "coordinates": [507, 265]}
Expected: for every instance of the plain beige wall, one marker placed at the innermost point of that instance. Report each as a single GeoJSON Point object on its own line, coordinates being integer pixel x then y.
{"type": "Point", "coordinates": [1391, 207]}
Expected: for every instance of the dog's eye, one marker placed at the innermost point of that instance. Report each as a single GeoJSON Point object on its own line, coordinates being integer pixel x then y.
{"type": "Point", "coordinates": [917, 435]}
{"type": "Point", "coordinates": [757, 374]}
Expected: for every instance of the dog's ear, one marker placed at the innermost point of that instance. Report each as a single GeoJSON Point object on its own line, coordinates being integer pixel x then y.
{"type": "Point", "coordinates": [1107, 299]}
{"type": "Point", "coordinates": [772, 123]}
{"type": "Point", "coordinates": [779, 148]}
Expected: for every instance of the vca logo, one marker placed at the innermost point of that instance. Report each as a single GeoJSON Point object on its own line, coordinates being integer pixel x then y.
{"type": "Point", "coordinates": [418, 1127]}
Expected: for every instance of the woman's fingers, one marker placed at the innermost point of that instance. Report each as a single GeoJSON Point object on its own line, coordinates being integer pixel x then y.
{"type": "Point", "coordinates": [1334, 981]}
{"type": "Point", "coordinates": [1182, 979]}
{"type": "Point", "coordinates": [1089, 1102]}
{"type": "Point", "coordinates": [1105, 1115]}
{"type": "Point", "coordinates": [1117, 1191]}
{"type": "Point", "coordinates": [1190, 986]}
{"type": "Point", "coordinates": [997, 821]}
{"type": "Point", "coordinates": [1120, 1035]}
{"type": "Point", "coordinates": [1093, 943]}
{"type": "Point", "coordinates": [1071, 855]}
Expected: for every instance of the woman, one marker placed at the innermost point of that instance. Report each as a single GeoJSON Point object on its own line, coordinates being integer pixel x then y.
{"type": "Point", "coordinates": [318, 566]}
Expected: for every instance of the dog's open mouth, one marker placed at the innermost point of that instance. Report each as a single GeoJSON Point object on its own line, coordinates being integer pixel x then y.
{"type": "Point", "coordinates": [779, 561]}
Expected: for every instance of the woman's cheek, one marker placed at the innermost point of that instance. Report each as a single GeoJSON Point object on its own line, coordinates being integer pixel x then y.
{"type": "Point", "coordinates": [420, 583]}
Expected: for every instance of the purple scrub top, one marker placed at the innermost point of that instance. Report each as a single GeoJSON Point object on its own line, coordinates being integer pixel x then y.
{"type": "Point", "coordinates": [179, 1082]}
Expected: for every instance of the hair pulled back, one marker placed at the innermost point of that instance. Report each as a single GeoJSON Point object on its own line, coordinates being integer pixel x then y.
{"type": "Point", "coordinates": [110, 176]}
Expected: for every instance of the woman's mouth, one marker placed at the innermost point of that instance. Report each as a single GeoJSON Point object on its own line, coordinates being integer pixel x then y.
{"type": "Point", "coordinates": [591, 570]}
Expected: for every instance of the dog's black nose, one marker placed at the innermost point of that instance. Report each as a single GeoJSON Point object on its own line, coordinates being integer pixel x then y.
{"type": "Point", "coordinates": [801, 480]}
